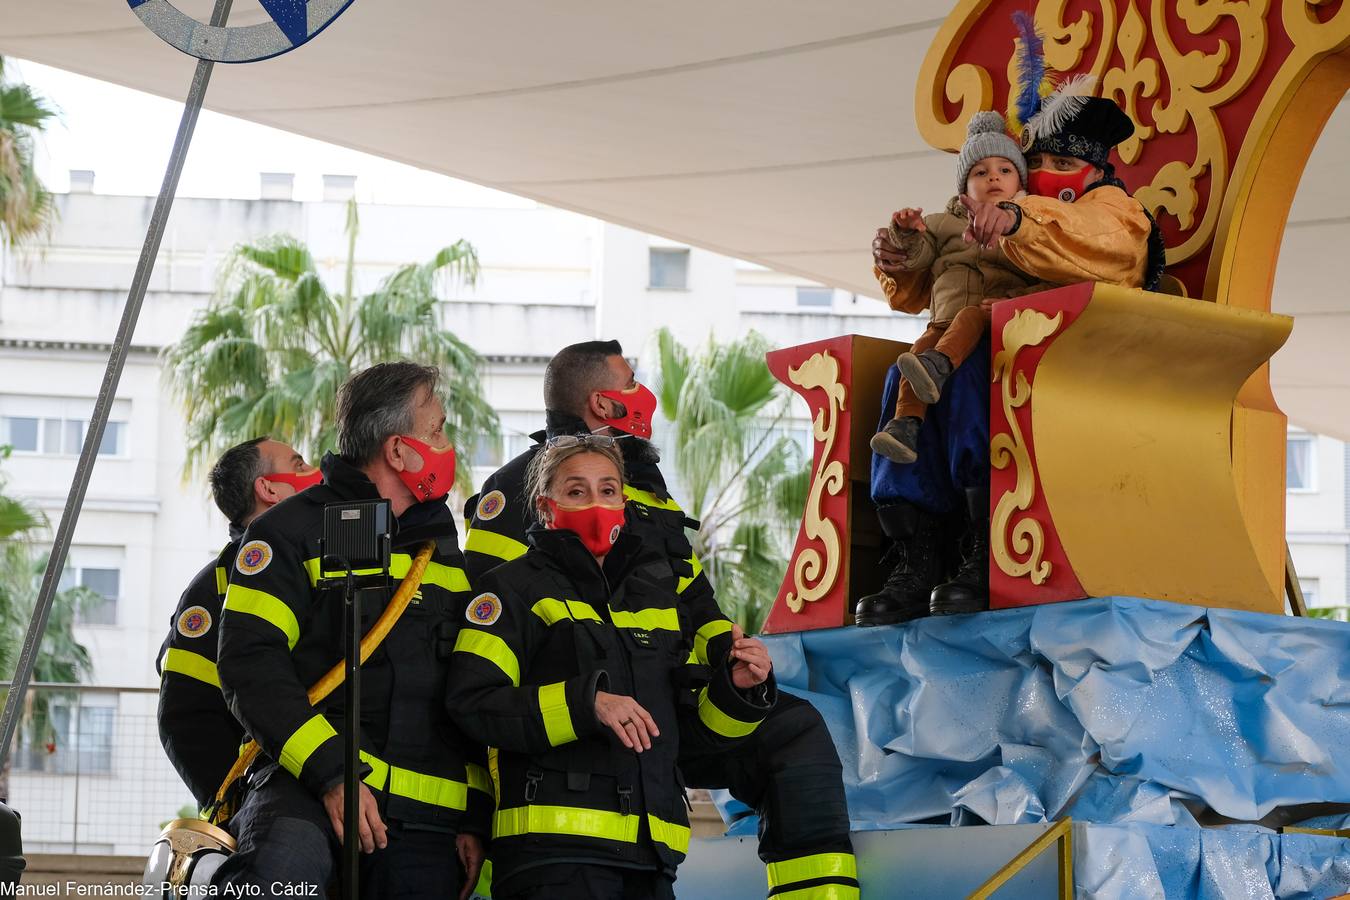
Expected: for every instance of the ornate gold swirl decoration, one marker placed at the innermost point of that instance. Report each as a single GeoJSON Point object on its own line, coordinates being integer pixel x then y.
{"type": "Point", "coordinates": [1138, 78]}
{"type": "Point", "coordinates": [814, 573]}
{"type": "Point", "coordinates": [1065, 42]}
{"type": "Point", "coordinates": [1027, 328]}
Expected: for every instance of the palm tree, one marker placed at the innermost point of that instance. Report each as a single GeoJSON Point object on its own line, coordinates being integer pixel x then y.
{"type": "Point", "coordinates": [61, 657]}
{"type": "Point", "coordinates": [26, 209]}
{"type": "Point", "coordinates": [741, 475]}
{"type": "Point", "coordinates": [270, 351]}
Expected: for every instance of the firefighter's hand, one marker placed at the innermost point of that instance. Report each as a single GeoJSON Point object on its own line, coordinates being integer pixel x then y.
{"type": "Point", "coordinates": [470, 850]}
{"type": "Point", "coordinates": [889, 258]}
{"type": "Point", "coordinates": [751, 664]}
{"type": "Point", "coordinates": [372, 831]}
{"type": "Point", "coordinates": [627, 719]}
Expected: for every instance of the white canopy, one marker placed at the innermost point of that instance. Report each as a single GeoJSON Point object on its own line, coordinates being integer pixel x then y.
{"type": "Point", "coordinates": [777, 132]}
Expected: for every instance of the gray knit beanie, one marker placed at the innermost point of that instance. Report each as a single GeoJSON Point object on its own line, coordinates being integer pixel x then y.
{"type": "Point", "coordinates": [987, 136]}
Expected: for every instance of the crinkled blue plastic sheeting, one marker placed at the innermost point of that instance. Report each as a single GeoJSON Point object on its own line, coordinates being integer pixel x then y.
{"type": "Point", "coordinates": [1110, 710]}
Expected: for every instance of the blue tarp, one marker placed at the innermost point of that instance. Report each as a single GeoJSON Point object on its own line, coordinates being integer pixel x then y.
{"type": "Point", "coordinates": [1131, 716]}
{"type": "Point", "coordinates": [1108, 710]}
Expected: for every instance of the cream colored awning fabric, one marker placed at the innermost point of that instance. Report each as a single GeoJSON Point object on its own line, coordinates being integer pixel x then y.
{"type": "Point", "coordinates": [776, 132]}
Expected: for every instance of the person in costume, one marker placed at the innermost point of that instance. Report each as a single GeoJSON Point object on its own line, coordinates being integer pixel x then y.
{"type": "Point", "coordinates": [200, 736]}
{"type": "Point", "coordinates": [425, 799]}
{"type": "Point", "coordinates": [961, 275]}
{"type": "Point", "coordinates": [1078, 224]}
{"type": "Point", "coordinates": [591, 388]}
{"type": "Point", "coordinates": [569, 669]}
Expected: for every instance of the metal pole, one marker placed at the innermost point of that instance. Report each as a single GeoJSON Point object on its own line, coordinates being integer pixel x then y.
{"type": "Point", "coordinates": [103, 406]}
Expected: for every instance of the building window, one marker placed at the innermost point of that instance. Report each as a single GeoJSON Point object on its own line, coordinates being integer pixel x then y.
{"type": "Point", "coordinates": [1312, 591]}
{"type": "Point", "coordinates": [815, 296]}
{"type": "Point", "coordinates": [69, 744]}
{"type": "Point", "coordinates": [1300, 463]}
{"type": "Point", "coordinates": [103, 580]}
{"type": "Point", "coordinates": [486, 451]}
{"type": "Point", "coordinates": [668, 269]}
{"type": "Point", "coordinates": [58, 437]}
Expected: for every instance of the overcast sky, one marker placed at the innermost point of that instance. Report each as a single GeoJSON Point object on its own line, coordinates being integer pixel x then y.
{"type": "Point", "coordinates": [125, 137]}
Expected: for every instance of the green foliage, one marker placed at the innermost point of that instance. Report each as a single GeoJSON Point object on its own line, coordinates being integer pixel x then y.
{"type": "Point", "coordinates": [270, 351]}
{"type": "Point", "coordinates": [26, 209]}
{"type": "Point", "coordinates": [1334, 613]}
{"type": "Point", "coordinates": [742, 477]}
{"type": "Point", "coordinates": [61, 658]}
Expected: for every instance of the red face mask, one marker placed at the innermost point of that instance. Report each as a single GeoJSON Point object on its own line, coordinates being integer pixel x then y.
{"type": "Point", "coordinates": [296, 480]}
{"type": "Point", "coordinates": [636, 405]}
{"type": "Point", "coordinates": [1066, 186]}
{"type": "Point", "coordinates": [597, 526]}
{"type": "Point", "coordinates": [437, 475]}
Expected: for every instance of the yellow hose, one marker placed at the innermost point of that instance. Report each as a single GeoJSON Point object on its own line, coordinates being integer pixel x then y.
{"type": "Point", "coordinates": [338, 674]}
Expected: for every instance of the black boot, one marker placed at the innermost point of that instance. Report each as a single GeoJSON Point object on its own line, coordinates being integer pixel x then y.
{"type": "Point", "coordinates": [906, 592]}
{"type": "Point", "coordinates": [968, 591]}
{"type": "Point", "coordinates": [926, 373]}
{"type": "Point", "coordinates": [899, 440]}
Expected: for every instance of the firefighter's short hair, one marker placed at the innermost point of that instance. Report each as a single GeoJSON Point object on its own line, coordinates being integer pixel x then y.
{"type": "Point", "coordinates": [377, 403]}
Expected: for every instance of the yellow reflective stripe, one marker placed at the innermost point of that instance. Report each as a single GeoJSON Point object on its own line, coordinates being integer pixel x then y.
{"type": "Point", "coordinates": [647, 619]}
{"type": "Point", "coordinates": [451, 578]}
{"type": "Point", "coordinates": [687, 580]}
{"type": "Point", "coordinates": [553, 611]}
{"type": "Point", "coordinates": [557, 718]}
{"type": "Point", "coordinates": [493, 649]}
{"type": "Point", "coordinates": [718, 721]}
{"type": "Point", "coordinates": [431, 789]}
{"type": "Point", "coordinates": [300, 746]}
{"type": "Point", "coordinates": [594, 823]}
{"type": "Point", "coordinates": [709, 631]}
{"type": "Point", "coordinates": [494, 769]}
{"type": "Point", "coordinates": [490, 543]}
{"type": "Point", "coordinates": [672, 834]}
{"type": "Point", "coordinates": [804, 868]}
{"type": "Point", "coordinates": [647, 498]}
{"type": "Point", "coordinates": [266, 607]}
{"type": "Point", "coordinates": [821, 892]}
{"type": "Point", "coordinates": [478, 778]}
{"type": "Point", "coordinates": [379, 770]}
{"type": "Point", "coordinates": [222, 580]}
{"type": "Point", "coordinates": [193, 665]}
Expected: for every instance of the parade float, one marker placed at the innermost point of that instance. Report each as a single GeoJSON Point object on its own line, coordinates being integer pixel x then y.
{"type": "Point", "coordinates": [1136, 716]}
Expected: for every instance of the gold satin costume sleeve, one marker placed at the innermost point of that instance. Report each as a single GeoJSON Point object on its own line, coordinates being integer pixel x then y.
{"type": "Point", "coordinates": [1101, 237]}
{"type": "Point", "coordinates": [910, 293]}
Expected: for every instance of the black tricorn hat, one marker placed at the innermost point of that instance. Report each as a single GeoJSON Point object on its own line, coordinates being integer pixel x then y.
{"type": "Point", "coordinates": [1071, 122]}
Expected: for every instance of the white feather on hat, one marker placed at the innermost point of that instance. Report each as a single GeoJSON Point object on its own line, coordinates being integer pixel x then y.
{"type": "Point", "coordinates": [1060, 107]}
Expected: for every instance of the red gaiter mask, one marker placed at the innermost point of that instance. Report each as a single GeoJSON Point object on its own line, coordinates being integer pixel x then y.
{"type": "Point", "coordinates": [437, 475]}
{"type": "Point", "coordinates": [1066, 186]}
{"type": "Point", "coordinates": [637, 405]}
{"type": "Point", "coordinates": [296, 480]}
{"type": "Point", "coordinates": [597, 526]}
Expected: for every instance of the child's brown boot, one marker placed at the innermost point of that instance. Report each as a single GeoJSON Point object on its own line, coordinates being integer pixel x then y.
{"type": "Point", "coordinates": [899, 440]}
{"type": "Point", "coordinates": [927, 373]}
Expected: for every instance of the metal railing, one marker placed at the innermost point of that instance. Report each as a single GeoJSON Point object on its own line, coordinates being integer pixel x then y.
{"type": "Point", "coordinates": [95, 780]}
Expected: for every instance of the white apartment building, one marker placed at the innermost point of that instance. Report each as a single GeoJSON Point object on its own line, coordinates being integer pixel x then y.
{"type": "Point", "coordinates": [549, 278]}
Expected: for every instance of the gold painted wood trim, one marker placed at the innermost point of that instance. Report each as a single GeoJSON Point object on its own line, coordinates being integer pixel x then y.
{"type": "Point", "coordinates": [814, 572]}
{"type": "Point", "coordinates": [1062, 836]}
{"type": "Point", "coordinates": [1026, 536]}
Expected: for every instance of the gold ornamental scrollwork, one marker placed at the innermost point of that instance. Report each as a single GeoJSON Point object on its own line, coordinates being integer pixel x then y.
{"type": "Point", "coordinates": [1018, 547]}
{"type": "Point", "coordinates": [814, 573]}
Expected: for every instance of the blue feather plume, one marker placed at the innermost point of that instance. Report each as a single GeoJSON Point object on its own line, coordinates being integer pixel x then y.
{"type": "Point", "coordinates": [1030, 66]}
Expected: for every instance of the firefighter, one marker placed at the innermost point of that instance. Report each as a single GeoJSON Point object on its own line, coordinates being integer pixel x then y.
{"type": "Point", "coordinates": [788, 770]}
{"type": "Point", "coordinates": [199, 735]}
{"type": "Point", "coordinates": [425, 799]}
{"type": "Point", "coordinates": [567, 672]}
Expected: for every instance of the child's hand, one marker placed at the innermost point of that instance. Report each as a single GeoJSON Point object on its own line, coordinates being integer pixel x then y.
{"type": "Point", "coordinates": [909, 219]}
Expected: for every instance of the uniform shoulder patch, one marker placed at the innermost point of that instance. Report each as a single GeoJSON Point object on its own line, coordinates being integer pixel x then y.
{"type": "Point", "coordinates": [485, 609]}
{"type": "Point", "coordinates": [194, 621]}
{"type": "Point", "coordinates": [253, 557]}
{"type": "Point", "coordinates": [491, 505]}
